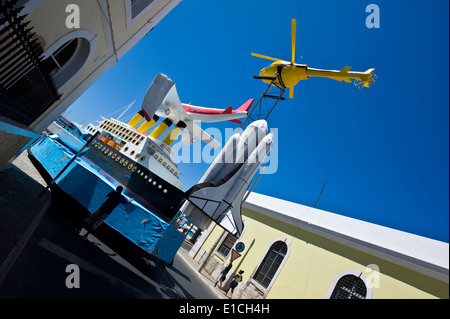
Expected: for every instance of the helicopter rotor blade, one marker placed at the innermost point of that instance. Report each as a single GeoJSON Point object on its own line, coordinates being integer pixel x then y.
{"type": "Point", "coordinates": [264, 57]}
{"type": "Point", "coordinates": [294, 33]}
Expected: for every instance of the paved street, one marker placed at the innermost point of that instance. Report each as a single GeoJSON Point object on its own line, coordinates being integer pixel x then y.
{"type": "Point", "coordinates": [109, 266]}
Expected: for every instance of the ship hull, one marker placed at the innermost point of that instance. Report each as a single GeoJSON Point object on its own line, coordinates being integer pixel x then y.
{"type": "Point", "coordinates": [139, 182]}
{"type": "Point", "coordinates": [86, 183]}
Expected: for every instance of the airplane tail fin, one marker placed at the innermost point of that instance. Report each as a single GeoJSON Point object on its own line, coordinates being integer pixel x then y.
{"type": "Point", "coordinates": [243, 108]}
{"type": "Point", "coordinates": [246, 106]}
{"type": "Point", "coordinates": [229, 110]}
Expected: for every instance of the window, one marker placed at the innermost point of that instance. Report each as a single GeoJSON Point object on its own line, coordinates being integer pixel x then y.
{"type": "Point", "coordinates": [226, 245]}
{"type": "Point", "coordinates": [349, 287]}
{"type": "Point", "coordinates": [136, 8]}
{"type": "Point", "coordinates": [271, 263]}
{"type": "Point", "coordinates": [60, 57]}
{"type": "Point", "coordinates": [68, 56]}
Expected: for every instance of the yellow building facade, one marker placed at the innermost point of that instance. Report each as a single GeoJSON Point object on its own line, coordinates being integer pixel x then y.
{"type": "Point", "coordinates": [294, 251]}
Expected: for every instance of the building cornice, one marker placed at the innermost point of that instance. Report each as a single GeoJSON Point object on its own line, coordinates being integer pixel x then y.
{"type": "Point", "coordinates": [423, 255]}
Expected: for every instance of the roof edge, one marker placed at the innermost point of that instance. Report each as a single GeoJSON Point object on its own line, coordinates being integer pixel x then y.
{"type": "Point", "coordinates": [318, 227]}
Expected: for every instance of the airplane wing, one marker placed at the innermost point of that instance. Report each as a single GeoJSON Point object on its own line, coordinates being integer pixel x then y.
{"type": "Point", "coordinates": [173, 109]}
{"type": "Point", "coordinates": [195, 132]}
{"type": "Point", "coordinates": [172, 102]}
{"type": "Point", "coordinates": [159, 88]}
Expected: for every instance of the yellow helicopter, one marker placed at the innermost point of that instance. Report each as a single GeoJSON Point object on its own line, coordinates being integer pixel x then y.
{"type": "Point", "coordinates": [286, 74]}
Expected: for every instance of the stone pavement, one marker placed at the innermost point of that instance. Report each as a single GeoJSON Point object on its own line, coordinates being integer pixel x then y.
{"type": "Point", "coordinates": [183, 252]}
{"type": "Point", "coordinates": [21, 208]}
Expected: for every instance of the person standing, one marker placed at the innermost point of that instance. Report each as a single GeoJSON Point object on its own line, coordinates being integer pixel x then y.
{"type": "Point", "coordinates": [115, 198]}
{"type": "Point", "coordinates": [224, 274]}
{"type": "Point", "coordinates": [236, 280]}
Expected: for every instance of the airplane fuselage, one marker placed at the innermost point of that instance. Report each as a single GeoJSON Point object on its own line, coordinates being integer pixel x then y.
{"type": "Point", "coordinates": [198, 113]}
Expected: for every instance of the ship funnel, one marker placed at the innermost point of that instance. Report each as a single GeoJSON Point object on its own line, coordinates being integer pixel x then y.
{"type": "Point", "coordinates": [174, 133]}
{"type": "Point", "coordinates": [161, 128]}
{"type": "Point", "coordinates": [136, 119]}
{"type": "Point", "coordinates": [148, 124]}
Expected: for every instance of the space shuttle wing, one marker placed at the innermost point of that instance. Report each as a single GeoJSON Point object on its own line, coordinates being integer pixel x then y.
{"type": "Point", "coordinates": [209, 197]}
{"type": "Point", "coordinates": [195, 132]}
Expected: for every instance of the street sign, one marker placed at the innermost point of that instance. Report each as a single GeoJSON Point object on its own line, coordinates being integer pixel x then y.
{"type": "Point", "coordinates": [240, 247]}
{"type": "Point", "coordinates": [234, 255]}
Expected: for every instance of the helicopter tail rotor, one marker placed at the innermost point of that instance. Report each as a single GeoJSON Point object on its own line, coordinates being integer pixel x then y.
{"type": "Point", "coordinates": [367, 80]}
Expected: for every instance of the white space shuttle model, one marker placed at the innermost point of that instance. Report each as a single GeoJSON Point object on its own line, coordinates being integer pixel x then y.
{"type": "Point", "coordinates": [219, 194]}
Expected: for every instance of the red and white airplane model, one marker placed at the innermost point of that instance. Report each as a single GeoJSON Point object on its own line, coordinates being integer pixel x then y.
{"type": "Point", "coordinates": [204, 114]}
{"type": "Point", "coordinates": [163, 89]}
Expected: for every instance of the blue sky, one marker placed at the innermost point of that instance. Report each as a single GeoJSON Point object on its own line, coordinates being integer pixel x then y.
{"type": "Point", "coordinates": [384, 150]}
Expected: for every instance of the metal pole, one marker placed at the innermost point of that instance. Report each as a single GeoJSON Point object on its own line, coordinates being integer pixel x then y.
{"type": "Point", "coordinates": [321, 192]}
{"type": "Point", "coordinates": [213, 249]}
{"type": "Point", "coordinates": [254, 184]}
{"type": "Point", "coordinates": [258, 102]}
{"type": "Point", "coordinates": [68, 164]}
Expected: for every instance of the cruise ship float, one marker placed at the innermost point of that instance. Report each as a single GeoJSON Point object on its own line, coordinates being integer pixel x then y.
{"type": "Point", "coordinates": [123, 154]}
